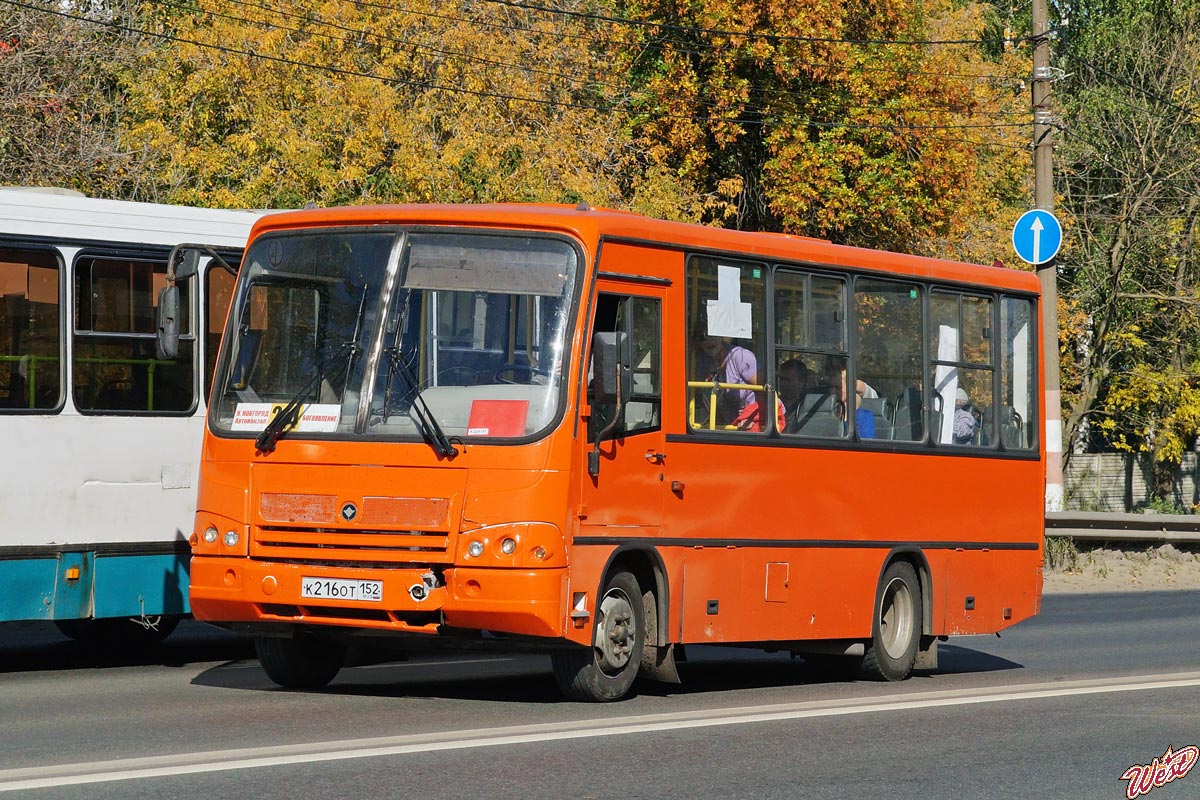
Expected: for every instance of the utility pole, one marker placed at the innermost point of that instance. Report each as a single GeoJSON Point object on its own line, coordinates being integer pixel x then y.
{"type": "Point", "coordinates": [1043, 198]}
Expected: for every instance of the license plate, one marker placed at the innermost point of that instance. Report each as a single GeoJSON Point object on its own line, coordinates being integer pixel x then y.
{"type": "Point", "coordinates": [341, 589]}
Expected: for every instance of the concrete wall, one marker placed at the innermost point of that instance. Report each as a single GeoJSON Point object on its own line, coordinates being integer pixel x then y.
{"type": "Point", "coordinates": [1120, 481]}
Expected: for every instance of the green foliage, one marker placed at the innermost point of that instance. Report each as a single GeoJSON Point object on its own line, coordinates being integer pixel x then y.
{"type": "Point", "coordinates": [1131, 188]}
{"type": "Point", "coordinates": [1159, 505]}
{"type": "Point", "coordinates": [1061, 554]}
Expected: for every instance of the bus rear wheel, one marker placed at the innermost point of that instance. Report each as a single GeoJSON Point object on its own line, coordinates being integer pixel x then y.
{"type": "Point", "coordinates": [606, 671]}
{"type": "Point", "coordinates": [303, 662]}
{"type": "Point", "coordinates": [896, 627]}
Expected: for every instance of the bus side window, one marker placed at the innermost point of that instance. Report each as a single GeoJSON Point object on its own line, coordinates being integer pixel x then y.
{"type": "Point", "coordinates": [30, 343]}
{"type": "Point", "coordinates": [961, 371]}
{"type": "Point", "coordinates": [887, 356]}
{"type": "Point", "coordinates": [640, 319]}
{"type": "Point", "coordinates": [1017, 419]}
{"type": "Point", "coordinates": [115, 368]}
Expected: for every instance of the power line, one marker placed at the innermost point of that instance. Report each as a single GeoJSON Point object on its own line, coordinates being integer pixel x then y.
{"type": "Point", "coordinates": [768, 37]}
{"type": "Point", "coordinates": [355, 34]}
{"type": "Point", "coordinates": [1128, 85]}
{"type": "Point", "coordinates": [695, 48]}
{"type": "Point", "coordinates": [894, 128]}
{"type": "Point", "coordinates": [359, 33]}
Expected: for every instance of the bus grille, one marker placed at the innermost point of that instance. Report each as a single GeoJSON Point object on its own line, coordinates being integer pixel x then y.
{"type": "Point", "coordinates": [350, 546]}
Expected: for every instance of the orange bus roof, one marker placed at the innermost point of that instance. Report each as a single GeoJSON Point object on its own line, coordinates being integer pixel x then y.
{"type": "Point", "coordinates": [592, 224]}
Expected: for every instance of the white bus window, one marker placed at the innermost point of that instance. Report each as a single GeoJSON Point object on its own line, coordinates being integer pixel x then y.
{"type": "Point", "coordinates": [961, 370]}
{"type": "Point", "coordinates": [30, 343]}
{"type": "Point", "coordinates": [115, 368]}
{"type": "Point", "coordinates": [1018, 362]}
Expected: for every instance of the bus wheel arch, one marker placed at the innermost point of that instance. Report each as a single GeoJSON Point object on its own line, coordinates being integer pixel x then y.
{"type": "Point", "coordinates": [899, 618]}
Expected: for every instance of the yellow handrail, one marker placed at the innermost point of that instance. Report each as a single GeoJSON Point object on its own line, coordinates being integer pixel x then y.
{"type": "Point", "coordinates": [717, 386]}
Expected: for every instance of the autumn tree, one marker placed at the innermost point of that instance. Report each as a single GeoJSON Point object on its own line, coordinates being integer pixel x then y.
{"type": "Point", "coordinates": [1130, 182]}
{"type": "Point", "coordinates": [60, 104]}
{"type": "Point", "coordinates": [887, 125]}
{"type": "Point", "coordinates": [335, 102]}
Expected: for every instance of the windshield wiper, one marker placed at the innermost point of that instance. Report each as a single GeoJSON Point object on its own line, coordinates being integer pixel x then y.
{"type": "Point", "coordinates": [289, 416]}
{"type": "Point", "coordinates": [426, 421]}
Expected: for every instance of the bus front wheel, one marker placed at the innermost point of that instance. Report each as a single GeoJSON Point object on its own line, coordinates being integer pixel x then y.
{"type": "Point", "coordinates": [303, 662]}
{"type": "Point", "coordinates": [896, 629]}
{"type": "Point", "coordinates": [606, 671]}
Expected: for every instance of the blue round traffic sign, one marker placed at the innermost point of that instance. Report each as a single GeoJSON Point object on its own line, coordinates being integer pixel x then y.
{"type": "Point", "coordinates": [1037, 236]}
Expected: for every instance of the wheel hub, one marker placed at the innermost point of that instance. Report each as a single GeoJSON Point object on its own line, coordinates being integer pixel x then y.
{"type": "Point", "coordinates": [616, 632]}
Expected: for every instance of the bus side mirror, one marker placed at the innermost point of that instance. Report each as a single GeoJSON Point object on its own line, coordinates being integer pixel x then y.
{"type": "Point", "coordinates": [167, 323]}
{"type": "Point", "coordinates": [612, 358]}
{"type": "Point", "coordinates": [189, 262]}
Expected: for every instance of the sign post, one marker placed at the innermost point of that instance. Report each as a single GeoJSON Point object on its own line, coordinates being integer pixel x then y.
{"type": "Point", "coordinates": [1036, 237]}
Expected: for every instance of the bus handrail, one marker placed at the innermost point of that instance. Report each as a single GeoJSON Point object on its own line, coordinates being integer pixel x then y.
{"type": "Point", "coordinates": [715, 386]}
{"type": "Point", "coordinates": [32, 360]}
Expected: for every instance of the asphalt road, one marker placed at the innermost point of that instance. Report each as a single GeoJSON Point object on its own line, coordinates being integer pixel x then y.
{"type": "Point", "coordinates": [1060, 707]}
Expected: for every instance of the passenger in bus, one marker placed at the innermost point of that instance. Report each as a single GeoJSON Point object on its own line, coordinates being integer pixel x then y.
{"type": "Point", "coordinates": [794, 379]}
{"type": "Point", "coordinates": [864, 420]}
{"type": "Point", "coordinates": [964, 418]}
{"type": "Point", "coordinates": [835, 368]}
{"type": "Point", "coordinates": [728, 363]}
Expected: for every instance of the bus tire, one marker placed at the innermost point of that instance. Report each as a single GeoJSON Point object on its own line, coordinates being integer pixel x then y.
{"type": "Point", "coordinates": [606, 671]}
{"type": "Point", "coordinates": [303, 662]}
{"type": "Point", "coordinates": [896, 625]}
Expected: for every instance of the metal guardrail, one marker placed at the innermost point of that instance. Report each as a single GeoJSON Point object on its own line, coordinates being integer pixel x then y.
{"type": "Point", "coordinates": [1117, 527]}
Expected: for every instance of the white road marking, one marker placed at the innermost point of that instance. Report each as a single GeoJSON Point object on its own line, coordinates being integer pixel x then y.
{"type": "Point", "coordinates": [252, 758]}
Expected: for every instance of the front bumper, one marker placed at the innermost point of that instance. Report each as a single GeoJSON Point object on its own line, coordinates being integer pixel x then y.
{"type": "Point", "coordinates": [510, 601]}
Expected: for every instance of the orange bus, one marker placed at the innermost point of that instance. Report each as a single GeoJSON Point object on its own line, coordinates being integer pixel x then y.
{"type": "Point", "coordinates": [609, 437]}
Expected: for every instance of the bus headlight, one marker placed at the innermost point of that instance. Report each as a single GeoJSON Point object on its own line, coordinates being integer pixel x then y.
{"type": "Point", "coordinates": [207, 539]}
{"type": "Point", "coordinates": [515, 544]}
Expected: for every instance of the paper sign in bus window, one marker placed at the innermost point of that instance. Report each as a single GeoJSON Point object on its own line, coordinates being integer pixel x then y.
{"type": "Point", "coordinates": [728, 315]}
{"type": "Point", "coordinates": [314, 417]}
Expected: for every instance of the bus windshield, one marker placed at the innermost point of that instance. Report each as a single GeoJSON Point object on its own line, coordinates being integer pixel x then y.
{"type": "Point", "coordinates": [397, 334]}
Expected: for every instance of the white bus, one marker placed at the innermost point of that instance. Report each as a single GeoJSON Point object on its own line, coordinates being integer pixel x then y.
{"type": "Point", "coordinates": [99, 432]}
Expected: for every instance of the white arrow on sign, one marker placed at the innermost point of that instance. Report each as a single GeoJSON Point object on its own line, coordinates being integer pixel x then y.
{"type": "Point", "coordinates": [1037, 228]}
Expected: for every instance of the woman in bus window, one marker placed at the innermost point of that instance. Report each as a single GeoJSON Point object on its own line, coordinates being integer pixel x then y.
{"type": "Point", "coordinates": [728, 363]}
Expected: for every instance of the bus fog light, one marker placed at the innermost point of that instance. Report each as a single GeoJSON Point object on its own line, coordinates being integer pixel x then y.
{"type": "Point", "coordinates": [475, 549]}
{"type": "Point", "coordinates": [508, 546]}
{"type": "Point", "coordinates": [210, 534]}
{"type": "Point", "coordinates": [539, 552]}
{"type": "Point", "coordinates": [231, 538]}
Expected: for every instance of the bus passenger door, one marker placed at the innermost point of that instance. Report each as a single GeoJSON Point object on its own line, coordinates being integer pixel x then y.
{"type": "Point", "coordinates": [625, 480]}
